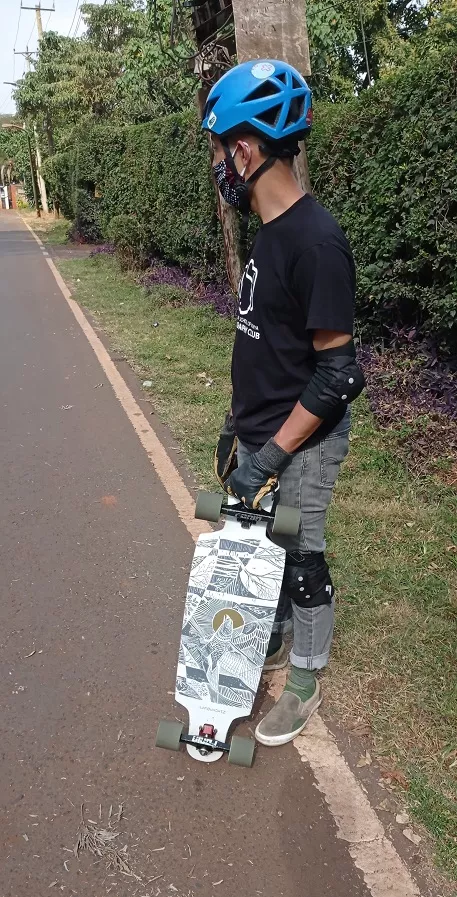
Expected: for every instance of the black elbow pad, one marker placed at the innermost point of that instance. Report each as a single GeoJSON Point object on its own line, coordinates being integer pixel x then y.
{"type": "Point", "coordinates": [337, 381]}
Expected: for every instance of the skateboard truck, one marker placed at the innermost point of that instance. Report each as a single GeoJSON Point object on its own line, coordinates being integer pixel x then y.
{"type": "Point", "coordinates": [171, 735]}
{"type": "Point", "coordinates": [247, 516]}
{"type": "Point", "coordinates": [205, 741]}
{"type": "Point", "coordinates": [283, 521]}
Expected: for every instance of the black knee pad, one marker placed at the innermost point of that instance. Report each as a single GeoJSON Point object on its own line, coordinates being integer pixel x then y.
{"type": "Point", "coordinates": [307, 579]}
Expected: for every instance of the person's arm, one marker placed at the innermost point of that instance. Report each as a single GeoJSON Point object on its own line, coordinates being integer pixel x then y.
{"type": "Point", "coordinates": [301, 424]}
{"type": "Point", "coordinates": [324, 281]}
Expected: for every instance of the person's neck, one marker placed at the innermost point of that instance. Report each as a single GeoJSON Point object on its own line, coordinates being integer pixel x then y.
{"type": "Point", "coordinates": [274, 193]}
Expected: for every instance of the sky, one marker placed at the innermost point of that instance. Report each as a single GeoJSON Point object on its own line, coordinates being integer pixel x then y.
{"type": "Point", "coordinates": [65, 19]}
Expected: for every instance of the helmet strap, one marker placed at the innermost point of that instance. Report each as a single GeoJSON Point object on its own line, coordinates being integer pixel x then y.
{"type": "Point", "coordinates": [243, 188]}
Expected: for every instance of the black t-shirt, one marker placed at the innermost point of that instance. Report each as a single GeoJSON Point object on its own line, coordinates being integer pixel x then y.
{"type": "Point", "coordinates": [300, 277]}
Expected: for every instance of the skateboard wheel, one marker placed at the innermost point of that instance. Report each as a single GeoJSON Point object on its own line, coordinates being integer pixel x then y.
{"type": "Point", "coordinates": [241, 751]}
{"type": "Point", "coordinates": [286, 522]}
{"type": "Point", "coordinates": [209, 506]}
{"type": "Point", "coordinates": [169, 734]}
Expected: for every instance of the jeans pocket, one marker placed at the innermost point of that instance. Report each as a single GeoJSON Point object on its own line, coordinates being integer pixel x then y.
{"type": "Point", "coordinates": [332, 452]}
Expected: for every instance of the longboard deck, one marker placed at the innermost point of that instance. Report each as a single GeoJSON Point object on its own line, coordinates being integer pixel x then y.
{"type": "Point", "coordinates": [232, 596]}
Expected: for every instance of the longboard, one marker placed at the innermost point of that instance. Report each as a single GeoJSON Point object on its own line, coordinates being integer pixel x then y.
{"type": "Point", "coordinates": [234, 586]}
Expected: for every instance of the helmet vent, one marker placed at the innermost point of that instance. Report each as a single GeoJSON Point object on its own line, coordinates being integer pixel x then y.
{"type": "Point", "coordinates": [270, 116]}
{"type": "Point", "coordinates": [265, 89]}
{"type": "Point", "coordinates": [296, 111]}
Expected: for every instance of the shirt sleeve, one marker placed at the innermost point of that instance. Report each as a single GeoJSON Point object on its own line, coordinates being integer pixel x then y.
{"type": "Point", "coordinates": [324, 283]}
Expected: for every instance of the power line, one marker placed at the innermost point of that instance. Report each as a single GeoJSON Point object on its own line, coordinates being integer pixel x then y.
{"type": "Point", "coordinates": [17, 30]}
{"type": "Point", "coordinates": [15, 39]}
{"type": "Point", "coordinates": [75, 32]}
{"type": "Point", "coordinates": [74, 17]}
{"type": "Point", "coordinates": [47, 22]}
{"type": "Point", "coordinates": [30, 36]}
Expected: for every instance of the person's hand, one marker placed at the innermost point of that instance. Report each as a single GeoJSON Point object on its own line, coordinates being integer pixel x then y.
{"type": "Point", "coordinates": [258, 475]}
{"type": "Point", "coordinates": [225, 460]}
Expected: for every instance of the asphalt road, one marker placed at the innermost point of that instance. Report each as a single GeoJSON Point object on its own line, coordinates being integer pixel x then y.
{"type": "Point", "coordinates": [93, 573]}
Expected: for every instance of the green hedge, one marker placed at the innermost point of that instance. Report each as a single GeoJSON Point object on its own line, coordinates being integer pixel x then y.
{"type": "Point", "coordinates": [159, 172]}
{"type": "Point", "coordinates": [383, 163]}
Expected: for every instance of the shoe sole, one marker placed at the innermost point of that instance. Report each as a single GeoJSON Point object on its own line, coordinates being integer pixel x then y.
{"type": "Point", "coordinates": [277, 740]}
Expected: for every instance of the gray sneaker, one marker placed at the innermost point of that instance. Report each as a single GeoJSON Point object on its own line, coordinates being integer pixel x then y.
{"type": "Point", "coordinates": [277, 661]}
{"type": "Point", "coordinates": [287, 718]}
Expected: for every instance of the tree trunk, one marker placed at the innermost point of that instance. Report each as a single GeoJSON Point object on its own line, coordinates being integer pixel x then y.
{"type": "Point", "coordinates": [228, 218]}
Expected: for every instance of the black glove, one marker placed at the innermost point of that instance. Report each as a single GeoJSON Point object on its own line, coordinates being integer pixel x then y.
{"type": "Point", "coordinates": [225, 453]}
{"type": "Point", "coordinates": [258, 475]}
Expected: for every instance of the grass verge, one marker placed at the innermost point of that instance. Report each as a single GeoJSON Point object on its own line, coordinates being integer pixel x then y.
{"type": "Point", "coordinates": [392, 542]}
{"type": "Point", "coordinates": [48, 228]}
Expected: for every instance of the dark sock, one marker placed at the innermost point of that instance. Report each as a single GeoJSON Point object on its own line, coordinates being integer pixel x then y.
{"type": "Point", "coordinates": [301, 682]}
{"type": "Point", "coordinates": [274, 643]}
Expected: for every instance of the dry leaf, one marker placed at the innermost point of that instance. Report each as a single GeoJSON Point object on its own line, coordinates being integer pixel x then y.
{"type": "Point", "coordinates": [395, 776]}
{"type": "Point", "coordinates": [366, 760]}
{"type": "Point", "coordinates": [411, 836]}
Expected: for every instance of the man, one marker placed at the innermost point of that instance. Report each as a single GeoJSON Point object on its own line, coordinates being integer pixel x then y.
{"type": "Point", "coordinates": [294, 369]}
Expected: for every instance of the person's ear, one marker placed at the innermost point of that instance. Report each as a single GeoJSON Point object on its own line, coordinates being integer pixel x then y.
{"type": "Point", "coordinates": [244, 155]}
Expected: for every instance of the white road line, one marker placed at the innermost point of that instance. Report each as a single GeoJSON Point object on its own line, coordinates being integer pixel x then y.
{"type": "Point", "coordinates": [383, 870]}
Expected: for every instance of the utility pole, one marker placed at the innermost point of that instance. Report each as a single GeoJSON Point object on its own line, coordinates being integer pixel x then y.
{"type": "Point", "coordinates": [275, 29]}
{"type": "Point", "coordinates": [41, 183]}
{"type": "Point", "coordinates": [38, 8]}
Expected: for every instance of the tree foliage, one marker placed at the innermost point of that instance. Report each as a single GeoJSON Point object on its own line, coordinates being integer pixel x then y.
{"type": "Point", "coordinates": [13, 146]}
{"type": "Point", "coordinates": [349, 38]}
{"type": "Point", "coordinates": [119, 70]}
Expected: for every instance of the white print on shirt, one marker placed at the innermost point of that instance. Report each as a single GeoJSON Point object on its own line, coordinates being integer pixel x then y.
{"type": "Point", "coordinates": [248, 327]}
{"type": "Point", "coordinates": [250, 273]}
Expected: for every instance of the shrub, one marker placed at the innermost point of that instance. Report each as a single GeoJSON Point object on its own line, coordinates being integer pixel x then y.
{"type": "Point", "coordinates": [127, 235]}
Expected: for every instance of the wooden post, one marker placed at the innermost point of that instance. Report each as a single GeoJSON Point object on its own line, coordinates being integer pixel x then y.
{"type": "Point", "coordinates": [272, 29]}
{"type": "Point", "coordinates": [275, 29]}
{"type": "Point", "coordinates": [228, 218]}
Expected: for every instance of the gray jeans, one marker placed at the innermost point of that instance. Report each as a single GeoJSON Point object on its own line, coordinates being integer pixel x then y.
{"type": "Point", "coordinates": [308, 483]}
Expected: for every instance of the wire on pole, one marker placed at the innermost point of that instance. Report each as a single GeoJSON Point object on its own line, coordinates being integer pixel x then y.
{"type": "Point", "coordinates": [74, 17]}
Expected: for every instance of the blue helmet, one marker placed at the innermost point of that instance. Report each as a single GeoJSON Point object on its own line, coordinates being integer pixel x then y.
{"type": "Point", "coordinates": [265, 97]}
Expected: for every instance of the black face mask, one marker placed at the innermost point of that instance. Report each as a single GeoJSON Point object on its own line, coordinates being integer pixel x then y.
{"type": "Point", "coordinates": [232, 187]}
{"type": "Point", "coordinates": [235, 189]}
